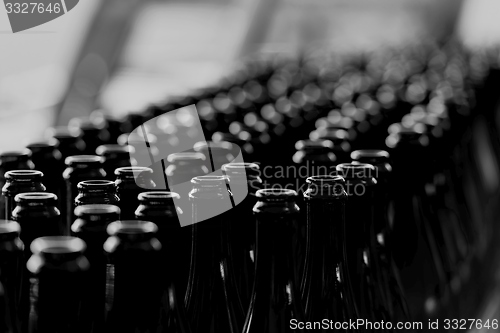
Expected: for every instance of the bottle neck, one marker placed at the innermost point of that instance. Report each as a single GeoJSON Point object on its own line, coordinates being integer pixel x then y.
{"type": "Point", "coordinates": [274, 261]}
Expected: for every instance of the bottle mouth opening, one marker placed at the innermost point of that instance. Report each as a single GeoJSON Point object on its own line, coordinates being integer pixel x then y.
{"type": "Point", "coordinates": [314, 145]}
{"type": "Point", "coordinates": [13, 155]}
{"type": "Point", "coordinates": [83, 159]}
{"type": "Point", "coordinates": [372, 154]}
{"type": "Point", "coordinates": [209, 180]}
{"type": "Point", "coordinates": [276, 194]}
{"type": "Point", "coordinates": [131, 227]}
{"type": "Point", "coordinates": [44, 145]}
{"type": "Point", "coordinates": [220, 145]}
{"type": "Point", "coordinates": [185, 157]}
{"type": "Point", "coordinates": [158, 195]}
{"type": "Point", "coordinates": [23, 174]}
{"type": "Point", "coordinates": [361, 171]}
{"type": "Point", "coordinates": [132, 170]}
{"type": "Point", "coordinates": [105, 150]}
{"type": "Point", "coordinates": [64, 132]}
{"type": "Point", "coordinates": [95, 184]}
{"type": "Point", "coordinates": [325, 179]}
{"type": "Point", "coordinates": [96, 209]}
{"type": "Point", "coordinates": [9, 227]}
{"type": "Point", "coordinates": [239, 167]}
{"type": "Point", "coordinates": [35, 196]}
{"type": "Point", "coordinates": [58, 245]}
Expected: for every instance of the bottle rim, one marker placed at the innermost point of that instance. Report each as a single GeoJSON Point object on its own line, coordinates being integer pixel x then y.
{"type": "Point", "coordinates": [131, 227]}
{"type": "Point", "coordinates": [35, 196]}
{"type": "Point", "coordinates": [83, 159]}
{"type": "Point", "coordinates": [23, 175]}
{"type": "Point", "coordinates": [373, 154]}
{"type": "Point", "coordinates": [158, 196]}
{"type": "Point", "coordinates": [50, 143]}
{"type": "Point", "coordinates": [132, 170]}
{"type": "Point", "coordinates": [9, 156]}
{"type": "Point", "coordinates": [9, 227]}
{"type": "Point", "coordinates": [326, 179]}
{"type": "Point", "coordinates": [185, 156]}
{"type": "Point", "coordinates": [57, 245]}
{"type": "Point", "coordinates": [273, 194]}
{"type": "Point", "coordinates": [238, 167]}
{"type": "Point", "coordinates": [209, 180]}
{"type": "Point", "coordinates": [96, 209]}
{"type": "Point", "coordinates": [356, 171]}
{"type": "Point", "coordinates": [320, 144]}
{"type": "Point", "coordinates": [105, 150]}
{"type": "Point", "coordinates": [94, 184]}
{"type": "Point", "coordinates": [201, 145]}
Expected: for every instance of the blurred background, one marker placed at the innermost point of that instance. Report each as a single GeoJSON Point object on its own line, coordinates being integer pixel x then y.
{"type": "Point", "coordinates": [121, 55]}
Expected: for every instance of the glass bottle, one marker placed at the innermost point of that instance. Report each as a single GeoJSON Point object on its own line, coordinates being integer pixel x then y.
{"type": "Point", "coordinates": [90, 226]}
{"type": "Point", "coordinates": [38, 216]}
{"type": "Point", "coordinates": [159, 208]}
{"type": "Point", "coordinates": [130, 182]}
{"type": "Point", "coordinates": [59, 282]}
{"type": "Point", "coordinates": [360, 263]}
{"type": "Point", "coordinates": [20, 181]}
{"type": "Point", "coordinates": [70, 140]}
{"type": "Point", "coordinates": [133, 279]}
{"type": "Point", "coordinates": [48, 159]}
{"type": "Point", "coordinates": [114, 157]}
{"type": "Point", "coordinates": [96, 192]}
{"type": "Point", "coordinates": [212, 299]}
{"type": "Point", "coordinates": [323, 292]}
{"type": "Point", "coordinates": [79, 168]}
{"type": "Point", "coordinates": [94, 133]}
{"type": "Point", "coordinates": [275, 302]}
{"type": "Point", "coordinates": [14, 160]}
{"type": "Point", "coordinates": [245, 181]}
{"type": "Point", "coordinates": [181, 169]}
{"type": "Point", "coordinates": [387, 276]}
{"type": "Point", "coordinates": [11, 263]}
{"type": "Point", "coordinates": [413, 245]}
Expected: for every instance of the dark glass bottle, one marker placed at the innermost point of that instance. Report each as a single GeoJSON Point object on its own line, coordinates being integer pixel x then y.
{"type": "Point", "coordinates": [114, 157]}
{"type": "Point", "coordinates": [38, 216]}
{"type": "Point", "coordinates": [79, 168]}
{"type": "Point", "coordinates": [388, 279]}
{"type": "Point", "coordinates": [59, 283]}
{"type": "Point", "coordinates": [133, 279]}
{"type": "Point", "coordinates": [245, 181]}
{"type": "Point", "coordinates": [14, 160]}
{"type": "Point", "coordinates": [275, 302]}
{"type": "Point", "coordinates": [20, 181]}
{"type": "Point", "coordinates": [218, 154]}
{"type": "Point", "coordinates": [130, 182]}
{"type": "Point", "coordinates": [48, 159]}
{"type": "Point", "coordinates": [323, 293]}
{"type": "Point", "coordinates": [366, 299]}
{"type": "Point", "coordinates": [91, 192]}
{"type": "Point", "coordinates": [412, 243]}
{"type": "Point", "coordinates": [159, 208]}
{"type": "Point", "coordinates": [70, 141]}
{"type": "Point", "coordinates": [340, 139]}
{"type": "Point", "coordinates": [93, 134]}
{"type": "Point", "coordinates": [212, 299]}
{"type": "Point", "coordinates": [181, 169]}
{"type": "Point", "coordinates": [90, 225]}
{"type": "Point", "coordinates": [11, 263]}
{"type": "Point", "coordinates": [246, 147]}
